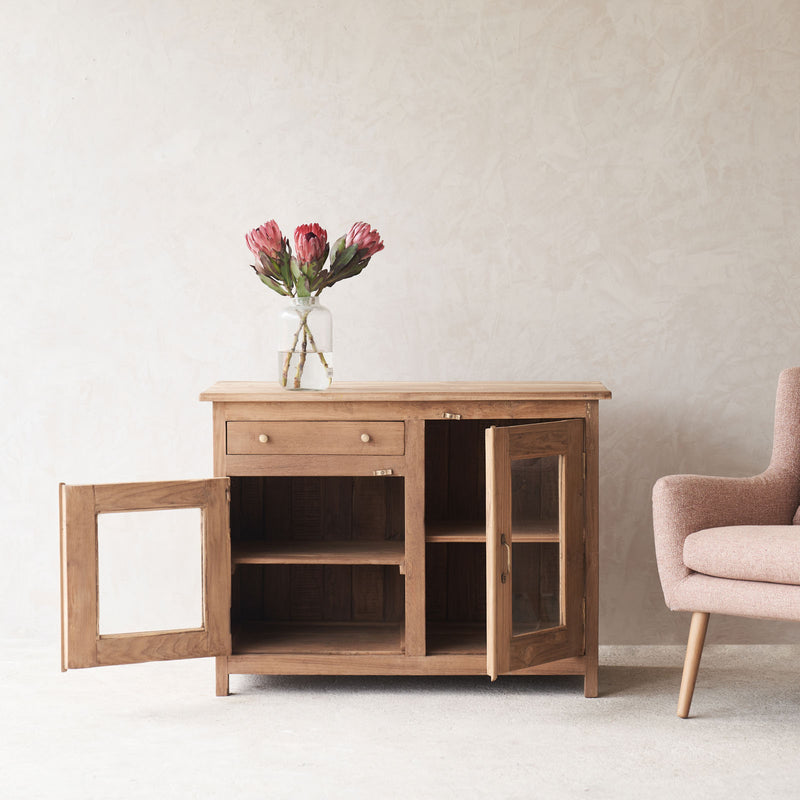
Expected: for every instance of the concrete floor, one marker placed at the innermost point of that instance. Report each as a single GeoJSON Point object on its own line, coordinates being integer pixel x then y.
{"type": "Point", "coordinates": [158, 731]}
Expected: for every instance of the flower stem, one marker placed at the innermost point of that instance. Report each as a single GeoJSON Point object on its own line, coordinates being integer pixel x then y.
{"type": "Point", "coordinates": [308, 340]}
{"type": "Point", "coordinates": [314, 346]}
{"type": "Point", "coordinates": [288, 359]}
{"type": "Point", "coordinates": [302, 361]}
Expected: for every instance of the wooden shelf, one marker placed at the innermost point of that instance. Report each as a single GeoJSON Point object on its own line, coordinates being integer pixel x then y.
{"type": "Point", "coordinates": [381, 553]}
{"type": "Point", "coordinates": [475, 532]}
{"type": "Point", "coordinates": [455, 639]}
{"type": "Point", "coordinates": [321, 638]}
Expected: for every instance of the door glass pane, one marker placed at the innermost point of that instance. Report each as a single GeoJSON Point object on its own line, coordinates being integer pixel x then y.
{"type": "Point", "coordinates": [535, 587]}
{"type": "Point", "coordinates": [536, 537]}
{"type": "Point", "coordinates": [150, 570]}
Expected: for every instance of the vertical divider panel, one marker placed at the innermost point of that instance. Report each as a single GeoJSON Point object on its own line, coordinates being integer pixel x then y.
{"type": "Point", "coordinates": [415, 537]}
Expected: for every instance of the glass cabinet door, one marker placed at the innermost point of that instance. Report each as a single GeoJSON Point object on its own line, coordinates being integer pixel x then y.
{"type": "Point", "coordinates": [534, 544]}
{"type": "Point", "coordinates": [145, 572]}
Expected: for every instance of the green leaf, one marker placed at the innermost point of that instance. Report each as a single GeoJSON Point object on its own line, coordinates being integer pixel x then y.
{"type": "Point", "coordinates": [351, 270]}
{"type": "Point", "coordinates": [301, 286]}
{"type": "Point", "coordinates": [342, 257]}
{"type": "Point", "coordinates": [287, 271]}
{"type": "Point", "coordinates": [270, 265]}
{"type": "Point", "coordinates": [320, 281]}
{"type": "Point", "coordinates": [274, 285]}
{"type": "Point", "coordinates": [309, 270]}
{"type": "Point", "coordinates": [338, 246]}
{"type": "Point", "coordinates": [300, 279]}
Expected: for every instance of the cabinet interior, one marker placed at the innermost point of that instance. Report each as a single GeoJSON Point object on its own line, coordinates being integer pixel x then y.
{"type": "Point", "coordinates": [455, 477]}
{"type": "Point", "coordinates": [317, 564]}
{"type": "Point", "coordinates": [317, 560]}
{"type": "Point", "coordinates": [455, 532]}
{"type": "Point", "coordinates": [455, 597]}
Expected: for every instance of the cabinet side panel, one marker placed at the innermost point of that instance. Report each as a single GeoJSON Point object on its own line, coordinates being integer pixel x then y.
{"type": "Point", "coordinates": [574, 564]}
{"type": "Point", "coordinates": [218, 416]}
{"type": "Point", "coordinates": [591, 500]}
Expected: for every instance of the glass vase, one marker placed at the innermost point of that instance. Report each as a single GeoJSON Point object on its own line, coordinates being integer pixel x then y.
{"type": "Point", "coordinates": [306, 345]}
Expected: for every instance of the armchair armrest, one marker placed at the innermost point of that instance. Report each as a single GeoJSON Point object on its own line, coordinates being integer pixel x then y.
{"type": "Point", "coordinates": [684, 504]}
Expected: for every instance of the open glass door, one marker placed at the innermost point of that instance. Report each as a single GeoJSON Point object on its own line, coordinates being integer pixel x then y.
{"type": "Point", "coordinates": [145, 572]}
{"type": "Point", "coordinates": [534, 544]}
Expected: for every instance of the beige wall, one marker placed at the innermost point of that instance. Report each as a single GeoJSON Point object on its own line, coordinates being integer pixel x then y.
{"type": "Point", "coordinates": [585, 189]}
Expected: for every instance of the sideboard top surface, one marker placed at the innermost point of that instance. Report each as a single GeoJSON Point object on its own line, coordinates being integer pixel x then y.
{"type": "Point", "coordinates": [388, 391]}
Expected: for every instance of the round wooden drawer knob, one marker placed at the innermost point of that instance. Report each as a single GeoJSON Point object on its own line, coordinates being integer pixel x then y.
{"type": "Point", "coordinates": [263, 438]}
{"type": "Point", "coordinates": [365, 437]}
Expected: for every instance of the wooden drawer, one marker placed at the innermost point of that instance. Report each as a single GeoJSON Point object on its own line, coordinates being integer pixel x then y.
{"type": "Point", "coordinates": [315, 438]}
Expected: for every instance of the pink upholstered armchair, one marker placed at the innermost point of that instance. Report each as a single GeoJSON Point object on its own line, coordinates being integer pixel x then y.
{"type": "Point", "coordinates": [732, 545]}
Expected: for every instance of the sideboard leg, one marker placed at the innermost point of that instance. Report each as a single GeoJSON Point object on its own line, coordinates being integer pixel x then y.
{"type": "Point", "coordinates": [223, 686]}
{"type": "Point", "coordinates": [591, 687]}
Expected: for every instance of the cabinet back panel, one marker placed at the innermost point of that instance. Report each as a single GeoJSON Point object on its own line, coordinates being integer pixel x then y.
{"type": "Point", "coordinates": [455, 467]}
{"type": "Point", "coordinates": [317, 593]}
{"type": "Point", "coordinates": [316, 508]}
{"type": "Point", "coordinates": [455, 582]}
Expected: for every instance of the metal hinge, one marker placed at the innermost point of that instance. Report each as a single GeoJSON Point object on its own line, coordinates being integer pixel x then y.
{"type": "Point", "coordinates": [584, 466]}
{"type": "Point", "coordinates": [379, 472]}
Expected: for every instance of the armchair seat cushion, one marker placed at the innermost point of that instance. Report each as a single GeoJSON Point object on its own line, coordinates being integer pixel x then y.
{"type": "Point", "coordinates": [768, 553]}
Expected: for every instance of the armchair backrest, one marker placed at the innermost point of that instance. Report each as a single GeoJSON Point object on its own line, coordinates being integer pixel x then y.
{"type": "Point", "coordinates": [786, 441]}
{"type": "Point", "coordinates": [684, 504]}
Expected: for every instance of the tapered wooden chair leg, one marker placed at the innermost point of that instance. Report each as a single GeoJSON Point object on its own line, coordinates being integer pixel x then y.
{"type": "Point", "coordinates": [694, 649]}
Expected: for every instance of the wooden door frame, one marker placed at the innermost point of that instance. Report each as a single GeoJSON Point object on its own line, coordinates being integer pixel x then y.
{"type": "Point", "coordinates": [505, 652]}
{"type": "Point", "coordinates": [82, 644]}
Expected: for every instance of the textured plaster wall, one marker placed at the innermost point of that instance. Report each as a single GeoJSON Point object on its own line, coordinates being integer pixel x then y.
{"type": "Point", "coordinates": [577, 190]}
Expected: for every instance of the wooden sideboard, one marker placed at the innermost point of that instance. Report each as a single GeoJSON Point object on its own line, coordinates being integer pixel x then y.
{"type": "Point", "coordinates": [374, 529]}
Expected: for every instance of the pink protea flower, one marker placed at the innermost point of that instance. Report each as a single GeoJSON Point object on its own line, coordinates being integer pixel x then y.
{"type": "Point", "coordinates": [367, 240]}
{"type": "Point", "coordinates": [309, 243]}
{"type": "Point", "coordinates": [267, 238]}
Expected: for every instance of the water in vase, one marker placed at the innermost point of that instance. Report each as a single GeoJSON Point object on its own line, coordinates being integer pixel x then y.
{"type": "Point", "coordinates": [311, 370]}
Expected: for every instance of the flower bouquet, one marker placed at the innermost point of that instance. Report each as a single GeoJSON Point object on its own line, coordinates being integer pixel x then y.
{"type": "Point", "coordinates": [302, 277]}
